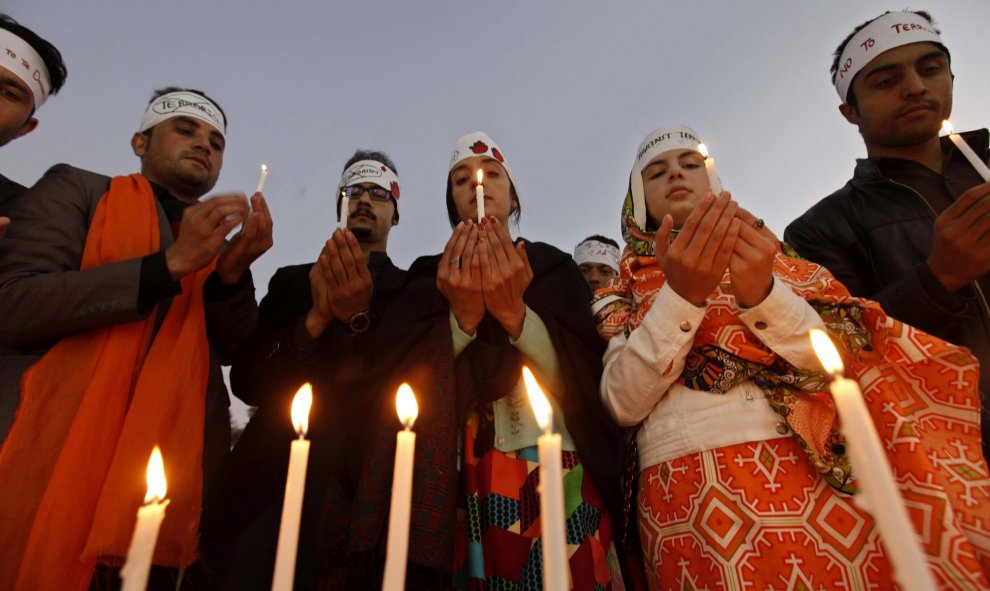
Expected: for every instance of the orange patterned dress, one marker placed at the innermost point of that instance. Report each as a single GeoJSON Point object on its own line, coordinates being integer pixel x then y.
{"type": "Point", "coordinates": [778, 514]}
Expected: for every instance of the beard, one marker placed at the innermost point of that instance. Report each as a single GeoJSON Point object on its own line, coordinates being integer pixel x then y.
{"type": "Point", "coordinates": [361, 233]}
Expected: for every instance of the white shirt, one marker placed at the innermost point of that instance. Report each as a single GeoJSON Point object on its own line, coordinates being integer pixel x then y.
{"type": "Point", "coordinates": [639, 383]}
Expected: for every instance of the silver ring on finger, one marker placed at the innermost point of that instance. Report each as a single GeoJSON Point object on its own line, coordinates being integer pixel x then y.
{"type": "Point", "coordinates": [455, 262]}
{"type": "Point", "coordinates": [759, 224]}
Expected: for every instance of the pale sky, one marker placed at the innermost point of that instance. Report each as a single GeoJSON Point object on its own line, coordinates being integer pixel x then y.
{"type": "Point", "coordinates": [567, 89]}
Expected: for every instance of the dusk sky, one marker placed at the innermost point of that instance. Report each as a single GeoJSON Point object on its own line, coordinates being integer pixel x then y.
{"type": "Point", "coordinates": [567, 89]}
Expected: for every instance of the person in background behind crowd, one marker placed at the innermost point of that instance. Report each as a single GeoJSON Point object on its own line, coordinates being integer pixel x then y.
{"type": "Point", "coordinates": [597, 257]}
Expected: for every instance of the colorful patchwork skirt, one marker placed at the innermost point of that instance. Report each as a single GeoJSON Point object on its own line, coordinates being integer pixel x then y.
{"type": "Point", "coordinates": [757, 516]}
{"type": "Point", "coordinates": [498, 534]}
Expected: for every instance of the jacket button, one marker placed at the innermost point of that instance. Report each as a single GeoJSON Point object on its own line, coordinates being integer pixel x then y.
{"type": "Point", "coordinates": [782, 428]}
{"type": "Point", "coordinates": [686, 326]}
{"type": "Point", "coordinates": [760, 324]}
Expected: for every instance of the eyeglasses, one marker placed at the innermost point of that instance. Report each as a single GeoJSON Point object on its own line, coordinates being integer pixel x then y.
{"type": "Point", "coordinates": [376, 193]}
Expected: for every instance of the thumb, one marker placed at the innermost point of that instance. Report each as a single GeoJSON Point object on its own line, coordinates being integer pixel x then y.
{"type": "Point", "coordinates": [662, 240]}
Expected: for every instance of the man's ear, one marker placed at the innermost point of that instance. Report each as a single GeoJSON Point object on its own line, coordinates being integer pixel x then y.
{"type": "Point", "coordinates": [28, 127]}
{"type": "Point", "coordinates": [851, 115]}
{"type": "Point", "coordinates": [139, 144]}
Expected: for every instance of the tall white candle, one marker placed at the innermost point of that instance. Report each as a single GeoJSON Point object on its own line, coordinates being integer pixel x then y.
{"type": "Point", "coordinates": [402, 481]}
{"type": "Point", "coordinates": [345, 207]}
{"type": "Point", "coordinates": [295, 484]}
{"type": "Point", "coordinates": [262, 178]}
{"type": "Point", "coordinates": [134, 574]}
{"type": "Point", "coordinates": [713, 181]}
{"type": "Point", "coordinates": [479, 196]}
{"type": "Point", "coordinates": [556, 575]}
{"type": "Point", "coordinates": [873, 473]}
{"type": "Point", "coordinates": [962, 146]}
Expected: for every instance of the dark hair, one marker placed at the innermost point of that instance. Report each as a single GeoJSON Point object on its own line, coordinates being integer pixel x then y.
{"type": "Point", "coordinates": [170, 89]}
{"type": "Point", "coordinates": [600, 238]}
{"type": "Point", "coordinates": [48, 52]}
{"type": "Point", "coordinates": [454, 219]}
{"type": "Point", "coordinates": [377, 156]}
{"type": "Point", "coordinates": [850, 95]}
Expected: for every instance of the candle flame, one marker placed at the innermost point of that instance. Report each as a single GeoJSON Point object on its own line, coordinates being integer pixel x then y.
{"type": "Point", "coordinates": [481, 177]}
{"type": "Point", "coordinates": [156, 477]}
{"type": "Point", "coordinates": [264, 169]}
{"type": "Point", "coordinates": [301, 404]}
{"type": "Point", "coordinates": [947, 127]}
{"type": "Point", "coordinates": [406, 406]}
{"type": "Point", "coordinates": [826, 351]}
{"type": "Point", "coordinates": [538, 400]}
{"type": "Point", "coordinates": [703, 149]}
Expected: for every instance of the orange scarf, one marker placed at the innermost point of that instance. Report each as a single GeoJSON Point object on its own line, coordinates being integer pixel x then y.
{"type": "Point", "coordinates": [72, 469]}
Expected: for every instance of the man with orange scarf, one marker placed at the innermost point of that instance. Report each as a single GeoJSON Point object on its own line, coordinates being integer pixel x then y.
{"type": "Point", "coordinates": [128, 298]}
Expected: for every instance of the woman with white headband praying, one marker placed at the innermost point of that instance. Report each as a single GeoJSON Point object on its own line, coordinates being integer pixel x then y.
{"type": "Point", "coordinates": [493, 303]}
{"type": "Point", "coordinates": [743, 477]}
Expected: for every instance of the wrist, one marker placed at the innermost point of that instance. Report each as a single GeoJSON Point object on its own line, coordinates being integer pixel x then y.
{"type": "Point", "coordinates": [948, 280]}
{"type": "Point", "coordinates": [315, 323]}
{"type": "Point", "coordinates": [177, 269]}
{"type": "Point", "coordinates": [513, 323]}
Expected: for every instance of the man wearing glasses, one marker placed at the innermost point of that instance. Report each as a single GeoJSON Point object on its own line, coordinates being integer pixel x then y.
{"type": "Point", "coordinates": [317, 324]}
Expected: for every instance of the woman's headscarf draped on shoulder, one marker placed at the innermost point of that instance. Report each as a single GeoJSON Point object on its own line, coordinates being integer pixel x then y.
{"type": "Point", "coordinates": [887, 357]}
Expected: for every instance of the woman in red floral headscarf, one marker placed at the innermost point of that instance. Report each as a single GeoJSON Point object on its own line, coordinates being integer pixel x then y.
{"type": "Point", "coordinates": [743, 477]}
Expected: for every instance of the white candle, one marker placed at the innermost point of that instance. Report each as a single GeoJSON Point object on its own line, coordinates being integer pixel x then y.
{"type": "Point", "coordinates": [873, 473]}
{"type": "Point", "coordinates": [345, 207]}
{"type": "Point", "coordinates": [288, 531]}
{"type": "Point", "coordinates": [402, 480]}
{"type": "Point", "coordinates": [713, 181]}
{"type": "Point", "coordinates": [134, 574]}
{"type": "Point", "coordinates": [556, 575]}
{"type": "Point", "coordinates": [479, 196]}
{"type": "Point", "coordinates": [262, 178]}
{"type": "Point", "coordinates": [974, 160]}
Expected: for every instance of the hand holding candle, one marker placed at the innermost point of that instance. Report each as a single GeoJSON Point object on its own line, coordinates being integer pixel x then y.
{"type": "Point", "coordinates": [402, 480]}
{"type": "Point", "coordinates": [876, 479]}
{"type": "Point", "coordinates": [134, 574]}
{"type": "Point", "coordinates": [552, 525]}
{"type": "Point", "coordinates": [716, 186]}
{"type": "Point", "coordinates": [962, 146]}
{"type": "Point", "coordinates": [479, 196]}
{"type": "Point", "coordinates": [295, 484]}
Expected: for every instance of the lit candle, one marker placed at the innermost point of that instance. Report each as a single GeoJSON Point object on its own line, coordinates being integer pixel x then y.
{"type": "Point", "coordinates": [479, 196]}
{"type": "Point", "coordinates": [134, 574]}
{"type": "Point", "coordinates": [262, 178]}
{"type": "Point", "coordinates": [345, 207]}
{"type": "Point", "coordinates": [974, 160]}
{"type": "Point", "coordinates": [402, 479]}
{"type": "Point", "coordinates": [716, 186]}
{"type": "Point", "coordinates": [872, 471]}
{"type": "Point", "coordinates": [552, 528]}
{"type": "Point", "coordinates": [295, 483]}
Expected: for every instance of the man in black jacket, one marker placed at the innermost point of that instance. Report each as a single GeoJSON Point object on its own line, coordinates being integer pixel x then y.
{"type": "Point", "coordinates": [31, 69]}
{"type": "Point", "coordinates": [911, 228]}
{"type": "Point", "coordinates": [317, 324]}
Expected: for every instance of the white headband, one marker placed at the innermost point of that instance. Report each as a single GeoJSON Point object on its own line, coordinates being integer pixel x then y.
{"type": "Point", "coordinates": [678, 137]}
{"type": "Point", "coordinates": [884, 33]}
{"type": "Point", "coordinates": [371, 171]}
{"type": "Point", "coordinates": [593, 251]}
{"type": "Point", "coordinates": [25, 63]}
{"type": "Point", "coordinates": [478, 144]}
{"type": "Point", "coordinates": [183, 104]}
